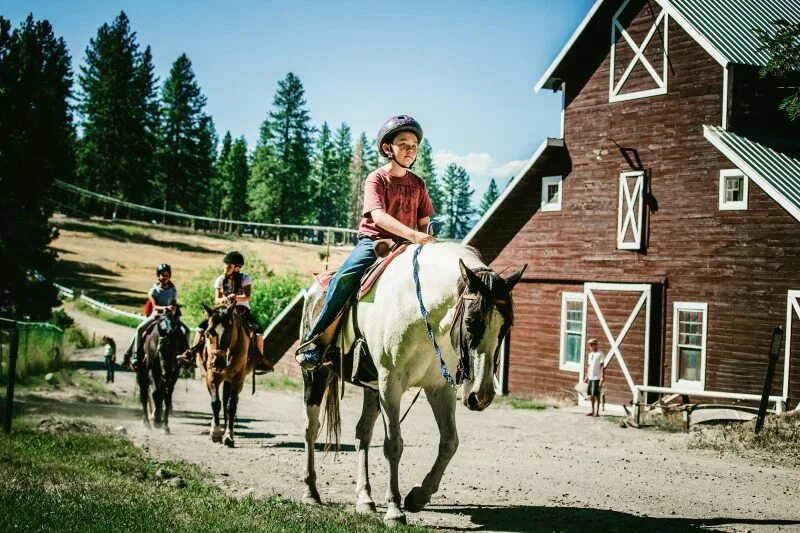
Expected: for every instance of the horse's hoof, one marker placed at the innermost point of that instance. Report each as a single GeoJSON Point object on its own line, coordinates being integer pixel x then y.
{"type": "Point", "coordinates": [229, 442]}
{"type": "Point", "coordinates": [216, 434]}
{"type": "Point", "coordinates": [311, 499]}
{"type": "Point", "coordinates": [365, 507]}
{"type": "Point", "coordinates": [166, 430]}
{"type": "Point", "coordinates": [394, 517]}
{"type": "Point", "coordinates": [416, 500]}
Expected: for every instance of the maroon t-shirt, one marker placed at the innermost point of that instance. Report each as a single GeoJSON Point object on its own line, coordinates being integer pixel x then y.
{"type": "Point", "coordinates": [405, 198]}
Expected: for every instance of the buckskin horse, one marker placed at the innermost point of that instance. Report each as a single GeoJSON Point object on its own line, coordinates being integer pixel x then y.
{"type": "Point", "coordinates": [469, 311]}
{"type": "Point", "coordinates": [159, 368]}
{"type": "Point", "coordinates": [227, 363]}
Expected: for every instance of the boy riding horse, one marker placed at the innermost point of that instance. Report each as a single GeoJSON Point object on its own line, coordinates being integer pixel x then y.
{"type": "Point", "coordinates": [396, 206]}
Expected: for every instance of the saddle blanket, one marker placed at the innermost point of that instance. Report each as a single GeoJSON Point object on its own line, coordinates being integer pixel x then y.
{"type": "Point", "coordinates": [370, 276]}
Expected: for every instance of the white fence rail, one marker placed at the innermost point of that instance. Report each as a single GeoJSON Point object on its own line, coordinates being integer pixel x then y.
{"type": "Point", "coordinates": [97, 304]}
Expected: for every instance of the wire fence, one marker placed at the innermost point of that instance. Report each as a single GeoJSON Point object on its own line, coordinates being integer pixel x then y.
{"type": "Point", "coordinates": [41, 349]}
{"type": "Point", "coordinates": [277, 230]}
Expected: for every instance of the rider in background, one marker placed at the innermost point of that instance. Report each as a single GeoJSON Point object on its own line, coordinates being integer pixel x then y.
{"type": "Point", "coordinates": [233, 287]}
{"type": "Point", "coordinates": [396, 206]}
{"type": "Point", "coordinates": [162, 298]}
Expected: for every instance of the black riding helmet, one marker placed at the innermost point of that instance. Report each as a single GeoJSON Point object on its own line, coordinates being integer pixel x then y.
{"type": "Point", "coordinates": [395, 125]}
{"type": "Point", "coordinates": [234, 258]}
{"type": "Point", "coordinates": [163, 267]}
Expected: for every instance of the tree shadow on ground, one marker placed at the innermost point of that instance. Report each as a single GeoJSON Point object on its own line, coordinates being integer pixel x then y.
{"type": "Point", "coordinates": [532, 518]}
{"type": "Point", "coordinates": [94, 279]}
{"type": "Point", "coordinates": [131, 234]}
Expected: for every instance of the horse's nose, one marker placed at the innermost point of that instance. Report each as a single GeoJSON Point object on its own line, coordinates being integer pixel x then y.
{"type": "Point", "coordinates": [472, 401]}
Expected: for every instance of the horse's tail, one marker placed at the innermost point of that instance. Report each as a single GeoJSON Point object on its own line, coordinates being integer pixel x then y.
{"type": "Point", "coordinates": [332, 419]}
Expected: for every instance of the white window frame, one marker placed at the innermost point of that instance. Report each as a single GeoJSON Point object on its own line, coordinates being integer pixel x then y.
{"type": "Point", "coordinates": [638, 50]}
{"type": "Point", "coordinates": [724, 205]}
{"type": "Point", "coordinates": [570, 366]}
{"type": "Point", "coordinates": [682, 383]}
{"type": "Point", "coordinates": [556, 205]}
{"type": "Point", "coordinates": [633, 216]}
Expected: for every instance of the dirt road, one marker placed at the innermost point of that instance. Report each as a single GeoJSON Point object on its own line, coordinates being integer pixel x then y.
{"type": "Point", "coordinates": [515, 470]}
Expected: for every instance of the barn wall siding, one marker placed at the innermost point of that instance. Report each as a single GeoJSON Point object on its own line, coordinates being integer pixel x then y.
{"type": "Point", "coordinates": [741, 263]}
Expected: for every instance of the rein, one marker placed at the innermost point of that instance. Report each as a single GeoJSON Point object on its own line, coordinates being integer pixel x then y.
{"type": "Point", "coordinates": [424, 312]}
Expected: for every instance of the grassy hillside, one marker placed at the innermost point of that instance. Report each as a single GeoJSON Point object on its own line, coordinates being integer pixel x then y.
{"type": "Point", "coordinates": [115, 261]}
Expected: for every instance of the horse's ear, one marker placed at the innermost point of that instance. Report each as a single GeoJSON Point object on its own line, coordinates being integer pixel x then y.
{"type": "Point", "coordinates": [208, 310]}
{"type": "Point", "coordinates": [515, 277]}
{"type": "Point", "coordinates": [473, 282]}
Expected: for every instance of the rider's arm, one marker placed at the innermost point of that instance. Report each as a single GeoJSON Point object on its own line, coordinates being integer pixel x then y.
{"type": "Point", "coordinates": [423, 223]}
{"type": "Point", "coordinates": [220, 298]}
{"type": "Point", "coordinates": [394, 226]}
{"type": "Point", "coordinates": [246, 297]}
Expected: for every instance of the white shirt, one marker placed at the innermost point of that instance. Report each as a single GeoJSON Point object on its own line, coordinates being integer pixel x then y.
{"type": "Point", "coordinates": [595, 363]}
{"type": "Point", "coordinates": [227, 286]}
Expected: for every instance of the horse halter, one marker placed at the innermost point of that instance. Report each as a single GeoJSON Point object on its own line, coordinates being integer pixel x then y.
{"type": "Point", "coordinates": [458, 338]}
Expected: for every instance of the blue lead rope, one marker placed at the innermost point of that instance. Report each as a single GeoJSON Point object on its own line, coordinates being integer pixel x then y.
{"type": "Point", "coordinates": [424, 312]}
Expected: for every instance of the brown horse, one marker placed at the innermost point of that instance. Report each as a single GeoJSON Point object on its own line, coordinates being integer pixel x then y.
{"type": "Point", "coordinates": [159, 368]}
{"type": "Point", "coordinates": [227, 362]}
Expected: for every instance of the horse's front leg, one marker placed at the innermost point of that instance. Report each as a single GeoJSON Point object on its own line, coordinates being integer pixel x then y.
{"type": "Point", "coordinates": [443, 404]}
{"type": "Point", "coordinates": [141, 378]}
{"type": "Point", "coordinates": [392, 449]}
{"type": "Point", "coordinates": [369, 413]}
{"type": "Point", "coordinates": [314, 390]}
{"type": "Point", "coordinates": [232, 403]}
{"type": "Point", "coordinates": [216, 430]}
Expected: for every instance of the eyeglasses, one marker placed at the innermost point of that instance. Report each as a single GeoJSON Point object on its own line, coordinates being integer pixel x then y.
{"type": "Point", "coordinates": [407, 147]}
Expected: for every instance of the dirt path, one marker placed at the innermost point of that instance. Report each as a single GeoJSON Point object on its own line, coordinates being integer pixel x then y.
{"type": "Point", "coordinates": [515, 470]}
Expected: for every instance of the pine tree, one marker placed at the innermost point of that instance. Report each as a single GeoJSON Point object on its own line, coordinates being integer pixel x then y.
{"type": "Point", "coordinates": [188, 142]}
{"type": "Point", "coordinates": [236, 172]}
{"type": "Point", "coordinates": [340, 187]}
{"type": "Point", "coordinates": [457, 201]}
{"type": "Point", "coordinates": [217, 192]}
{"type": "Point", "coordinates": [323, 179]}
{"type": "Point", "coordinates": [358, 175]}
{"type": "Point", "coordinates": [36, 146]}
{"type": "Point", "coordinates": [426, 169]}
{"type": "Point", "coordinates": [489, 197]}
{"type": "Point", "coordinates": [118, 106]}
{"type": "Point", "coordinates": [372, 159]}
{"type": "Point", "coordinates": [282, 188]}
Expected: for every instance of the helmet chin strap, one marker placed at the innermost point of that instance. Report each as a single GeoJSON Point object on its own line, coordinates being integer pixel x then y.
{"type": "Point", "coordinates": [394, 158]}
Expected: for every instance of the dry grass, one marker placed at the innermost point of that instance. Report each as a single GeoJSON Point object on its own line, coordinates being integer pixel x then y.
{"type": "Point", "coordinates": [779, 440]}
{"type": "Point", "coordinates": [115, 261]}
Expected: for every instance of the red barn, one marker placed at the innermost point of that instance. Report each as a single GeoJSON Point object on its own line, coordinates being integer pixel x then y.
{"type": "Point", "coordinates": [665, 221]}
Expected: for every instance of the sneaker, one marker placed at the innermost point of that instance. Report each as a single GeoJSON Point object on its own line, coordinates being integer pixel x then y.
{"type": "Point", "coordinates": [311, 358]}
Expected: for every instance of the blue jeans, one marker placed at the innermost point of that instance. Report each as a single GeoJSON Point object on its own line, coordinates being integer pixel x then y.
{"type": "Point", "coordinates": [344, 284]}
{"type": "Point", "coordinates": [109, 370]}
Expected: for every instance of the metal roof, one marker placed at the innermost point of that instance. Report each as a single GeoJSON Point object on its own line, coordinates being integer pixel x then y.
{"type": "Point", "coordinates": [729, 24]}
{"type": "Point", "coordinates": [724, 28]}
{"type": "Point", "coordinates": [776, 173]}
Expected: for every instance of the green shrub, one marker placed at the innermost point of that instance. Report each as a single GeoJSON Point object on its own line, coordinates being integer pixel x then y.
{"type": "Point", "coordinates": [61, 319]}
{"type": "Point", "coordinates": [76, 337]}
{"type": "Point", "coordinates": [271, 292]}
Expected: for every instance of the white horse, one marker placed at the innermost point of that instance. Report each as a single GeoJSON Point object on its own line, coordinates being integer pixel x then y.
{"type": "Point", "coordinates": [470, 311]}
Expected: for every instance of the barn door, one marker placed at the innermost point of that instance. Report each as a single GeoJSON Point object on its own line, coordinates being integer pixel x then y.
{"type": "Point", "coordinates": [619, 317]}
{"type": "Point", "coordinates": [792, 318]}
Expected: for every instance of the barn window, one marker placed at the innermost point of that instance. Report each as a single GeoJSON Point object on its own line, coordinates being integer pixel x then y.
{"type": "Point", "coordinates": [573, 311]}
{"type": "Point", "coordinates": [629, 216]}
{"type": "Point", "coordinates": [732, 190]}
{"type": "Point", "coordinates": [638, 67]}
{"type": "Point", "coordinates": [551, 193]}
{"type": "Point", "coordinates": [689, 327]}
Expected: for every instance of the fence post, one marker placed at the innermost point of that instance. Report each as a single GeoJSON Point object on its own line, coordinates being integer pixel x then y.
{"type": "Point", "coordinates": [12, 373]}
{"type": "Point", "coordinates": [774, 351]}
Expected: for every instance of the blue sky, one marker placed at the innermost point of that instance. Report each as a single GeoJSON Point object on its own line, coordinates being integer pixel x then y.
{"type": "Point", "coordinates": [464, 69]}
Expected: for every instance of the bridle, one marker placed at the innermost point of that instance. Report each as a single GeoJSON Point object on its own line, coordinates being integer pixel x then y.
{"type": "Point", "coordinates": [458, 337]}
